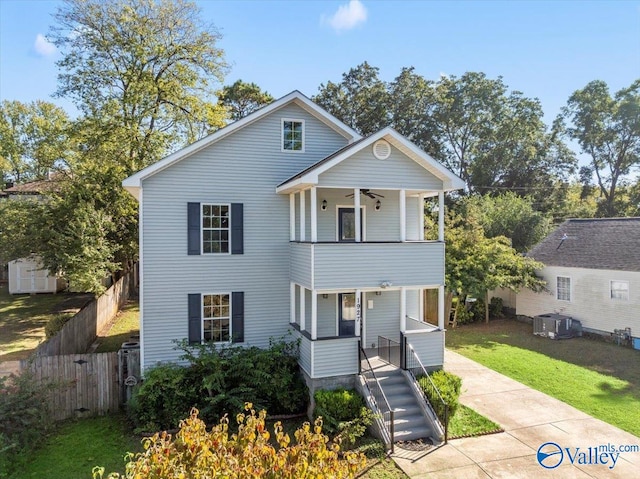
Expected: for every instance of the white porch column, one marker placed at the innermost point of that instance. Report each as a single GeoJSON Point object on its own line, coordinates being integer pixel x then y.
{"type": "Point", "coordinates": [292, 216]}
{"type": "Point", "coordinates": [403, 310]}
{"type": "Point", "coordinates": [441, 307]}
{"type": "Point", "coordinates": [441, 216]}
{"type": "Point", "coordinates": [292, 302]}
{"type": "Point", "coordinates": [314, 215]}
{"type": "Point", "coordinates": [303, 319]}
{"type": "Point", "coordinates": [403, 215]}
{"type": "Point", "coordinates": [303, 221]}
{"type": "Point", "coordinates": [420, 217]}
{"type": "Point", "coordinates": [421, 304]}
{"type": "Point", "coordinates": [314, 315]}
{"type": "Point", "coordinates": [356, 211]}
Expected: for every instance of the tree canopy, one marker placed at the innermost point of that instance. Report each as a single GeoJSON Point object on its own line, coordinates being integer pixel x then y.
{"type": "Point", "coordinates": [242, 98]}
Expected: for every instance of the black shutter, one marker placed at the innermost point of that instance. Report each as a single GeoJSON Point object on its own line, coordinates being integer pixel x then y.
{"type": "Point", "coordinates": [195, 319]}
{"type": "Point", "coordinates": [193, 228]}
{"type": "Point", "coordinates": [237, 228]}
{"type": "Point", "coordinates": [237, 319]}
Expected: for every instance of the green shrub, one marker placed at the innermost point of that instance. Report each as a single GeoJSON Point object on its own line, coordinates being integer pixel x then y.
{"type": "Point", "coordinates": [344, 414]}
{"type": "Point", "coordinates": [449, 387]}
{"type": "Point", "coordinates": [25, 413]}
{"type": "Point", "coordinates": [495, 307]}
{"type": "Point", "coordinates": [55, 324]}
{"type": "Point", "coordinates": [220, 380]}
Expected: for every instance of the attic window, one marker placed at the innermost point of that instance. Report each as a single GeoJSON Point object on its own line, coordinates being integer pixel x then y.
{"type": "Point", "coordinates": [620, 290]}
{"type": "Point", "coordinates": [381, 149]}
{"type": "Point", "coordinates": [292, 135]}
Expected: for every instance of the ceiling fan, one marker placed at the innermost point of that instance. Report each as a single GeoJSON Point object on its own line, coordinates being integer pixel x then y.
{"type": "Point", "coordinates": [368, 193]}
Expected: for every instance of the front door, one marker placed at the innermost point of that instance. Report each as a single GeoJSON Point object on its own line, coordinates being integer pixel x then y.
{"type": "Point", "coordinates": [347, 314]}
{"type": "Point", "coordinates": [347, 224]}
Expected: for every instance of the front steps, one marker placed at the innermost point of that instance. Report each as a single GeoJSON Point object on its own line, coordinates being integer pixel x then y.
{"type": "Point", "coordinates": [409, 421]}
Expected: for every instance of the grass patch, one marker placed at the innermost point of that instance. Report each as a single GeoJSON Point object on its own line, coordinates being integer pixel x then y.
{"type": "Point", "coordinates": [596, 377]}
{"type": "Point", "coordinates": [383, 469]}
{"type": "Point", "coordinates": [78, 446]}
{"type": "Point", "coordinates": [22, 321]}
{"type": "Point", "coordinates": [126, 324]}
{"type": "Point", "coordinates": [467, 422]}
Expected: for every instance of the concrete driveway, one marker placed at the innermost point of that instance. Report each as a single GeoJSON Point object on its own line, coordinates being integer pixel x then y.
{"type": "Point", "coordinates": [530, 419]}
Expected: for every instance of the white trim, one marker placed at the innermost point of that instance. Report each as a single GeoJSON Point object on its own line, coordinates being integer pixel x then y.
{"type": "Point", "coordinates": [313, 210]}
{"type": "Point", "coordinates": [363, 334]}
{"type": "Point", "coordinates": [450, 180]}
{"type": "Point", "coordinates": [292, 120]}
{"type": "Point", "coordinates": [359, 302]}
{"type": "Point", "coordinates": [403, 309]}
{"type": "Point", "coordinates": [202, 318]}
{"type": "Point", "coordinates": [375, 149]}
{"type": "Point", "coordinates": [402, 199]}
{"type": "Point", "coordinates": [303, 218]}
{"type": "Point", "coordinates": [292, 302]}
{"type": "Point", "coordinates": [202, 204]}
{"type": "Point", "coordinates": [440, 216]}
{"type": "Point", "coordinates": [292, 216]}
{"type": "Point", "coordinates": [420, 217]}
{"type": "Point", "coordinates": [441, 309]}
{"type": "Point", "coordinates": [363, 209]}
{"type": "Point", "coordinates": [357, 214]}
{"type": "Point", "coordinates": [134, 182]}
{"type": "Point", "coordinates": [611, 289]}
{"type": "Point", "coordinates": [303, 313]}
{"type": "Point", "coordinates": [314, 315]}
{"type": "Point", "coordinates": [141, 281]}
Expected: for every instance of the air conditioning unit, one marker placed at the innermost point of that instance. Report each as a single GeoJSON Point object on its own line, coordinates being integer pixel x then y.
{"type": "Point", "coordinates": [556, 326]}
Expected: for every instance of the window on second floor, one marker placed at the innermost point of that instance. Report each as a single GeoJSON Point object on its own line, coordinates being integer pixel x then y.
{"type": "Point", "coordinates": [292, 135]}
{"type": "Point", "coordinates": [620, 290]}
{"type": "Point", "coordinates": [563, 288]}
{"type": "Point", "coordinates": [215, 228]}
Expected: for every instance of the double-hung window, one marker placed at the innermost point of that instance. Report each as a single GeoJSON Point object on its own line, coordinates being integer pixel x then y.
{"type": "Point", "coordinates": [216, 317]}
{"type": "Point", "coordinates": [292, 135]}
{"type": "Point", "coordinates": [563, 288]}
{"type": "Point", "coordinates": [620, 290]}
{"type": "Point", "coordinates": [215, 228]}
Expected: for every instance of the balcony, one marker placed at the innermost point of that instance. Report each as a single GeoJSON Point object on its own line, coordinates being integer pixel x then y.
{"type": "Point", "coordinates": [327, 266]}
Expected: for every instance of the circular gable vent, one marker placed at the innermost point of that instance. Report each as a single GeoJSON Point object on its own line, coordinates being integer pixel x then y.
{"type": "Point", "coordinates": [381, 149]}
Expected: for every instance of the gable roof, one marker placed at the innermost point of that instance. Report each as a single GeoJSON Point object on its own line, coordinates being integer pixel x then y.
{"type": "Point", "coordinates": [309, 176]}
{"type": "Point", "coordinates": [38, 187]}
{"type": "Point", "coordinates": [134, 182]}
{"type": "Point", "coordinates": [604, 243]}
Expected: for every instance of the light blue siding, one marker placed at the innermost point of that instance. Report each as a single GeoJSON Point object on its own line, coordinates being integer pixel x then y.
{"type": "Point", "coordinates": [384, 318]}
{"type": "Point", "coordinates": [327, 315]}
{"type": "Point", "coordinates": [429, 346]}
{"type": "Point", "coordinates": [244, 167]}
{"type": "Point", "coordinates": [335, 357]}
{"type": "Point", "coordinates": [365, 171]}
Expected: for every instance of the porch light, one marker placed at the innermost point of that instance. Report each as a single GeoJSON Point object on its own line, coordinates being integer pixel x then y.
{"type": "Point", "coordinates": [378, 205]}
{"type": "Point", "coordinates": [325, 296]}
{"type": "Point", "coordinates": [378, 293]}
{"type": "Point", "coordinates": [323, 205]}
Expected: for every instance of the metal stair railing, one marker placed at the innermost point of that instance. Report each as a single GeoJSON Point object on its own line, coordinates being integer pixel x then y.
{"type": "Point", "coordinates": [413, 365]}
{"type": "Point", "coordinates": [378, 398]}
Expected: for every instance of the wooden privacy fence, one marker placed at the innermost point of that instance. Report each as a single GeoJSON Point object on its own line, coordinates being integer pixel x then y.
{"type": "Point", "coordinates": [77, 335]}
{"type": "Point", "coordinates": [87, 384]}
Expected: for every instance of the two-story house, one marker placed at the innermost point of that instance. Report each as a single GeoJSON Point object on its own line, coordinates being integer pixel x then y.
{"type": "Point", "coordinates": [289, 220]}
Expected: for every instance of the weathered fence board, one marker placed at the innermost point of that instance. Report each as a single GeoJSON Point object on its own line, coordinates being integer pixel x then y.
{"type": "Point", "coordinates": [88, 383]}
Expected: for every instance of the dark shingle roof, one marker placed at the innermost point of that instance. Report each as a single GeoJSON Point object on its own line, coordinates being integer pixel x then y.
{"type": "Point", "coordinates": [606, 243]}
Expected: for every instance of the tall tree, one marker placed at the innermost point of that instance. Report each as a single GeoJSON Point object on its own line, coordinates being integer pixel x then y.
{"type": "Point", "coordinates": [608, 131]}
{"type": "Point", "coordinates": [33, 139]}
{"type": "Point", "coordinates": [242, 98]}
{"type": "Point", "coordinates": [147, 69]}
{"type": "Point", "coordinates": [360, 100]}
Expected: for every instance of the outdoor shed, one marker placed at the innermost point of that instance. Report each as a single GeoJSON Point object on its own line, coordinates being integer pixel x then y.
{"type": "Point", "coordinates": [27, 276]}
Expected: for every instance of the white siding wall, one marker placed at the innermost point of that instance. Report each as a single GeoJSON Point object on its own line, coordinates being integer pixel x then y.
{"type": "Point", "coordinates": [242, 168]}
{"type": "Point", "coordinates": [590, 299]}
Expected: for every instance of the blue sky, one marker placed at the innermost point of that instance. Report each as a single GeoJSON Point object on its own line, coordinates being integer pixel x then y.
{"type": "Point", "coordinates": [546, 49]}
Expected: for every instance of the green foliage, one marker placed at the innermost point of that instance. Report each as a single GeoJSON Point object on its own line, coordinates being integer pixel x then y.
{"type": "Point", "coordinates": [607, 128]}
{"type": "Point", "coordinates": [495, 307]}
{"type": "Point", "coordinates": [344, 414]}
{"type": "Point", "coordinates": [247, 454]}
{"type": "Point", "coordinates": [467, 422]}
{"type": "Point", "coordinates": [55, 324]}
{"type": "Point", "coordinates": [24, 409]}
{"type": "Point", "coordinates": [217, 380]}
{"type": "Point", "coordinates": [448, 385]}
{"type": "Point", "coordinates": [242, 98]}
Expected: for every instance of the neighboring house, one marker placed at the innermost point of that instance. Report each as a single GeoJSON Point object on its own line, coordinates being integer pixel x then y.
{"type": "Point", "coordinates": [288, 221]}
{"type": "Point", "coordinates": [25, 275]}
{"type": "Point", "coordinates": [592, 270]}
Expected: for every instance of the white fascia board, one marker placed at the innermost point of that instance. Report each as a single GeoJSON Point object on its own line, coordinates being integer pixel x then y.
{"type": "Point", "coordinates": [298, 185]}
{"type": "Point", "coordinates": [135, 180]}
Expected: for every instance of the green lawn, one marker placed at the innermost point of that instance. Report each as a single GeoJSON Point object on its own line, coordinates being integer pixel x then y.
{"type": "Point", "coordinates": [78, 446]}
{"type": "Point", "coordinates": [467, 422]}
{"type": "Point", "coordinates": [599, 378]}
{"type": "Point", "coordinates": [22, 321]}
{"type": "Point", "coordinates": [126, 324]}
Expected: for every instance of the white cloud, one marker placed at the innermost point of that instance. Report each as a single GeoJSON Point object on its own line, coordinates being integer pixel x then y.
{"type": "Point", "coordinates": [348, 16]}
{"type": "Point", "coordinates": [43, 47]}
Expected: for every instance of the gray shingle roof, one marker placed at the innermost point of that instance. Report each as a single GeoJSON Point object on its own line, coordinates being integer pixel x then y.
{"type": "Point", "coordinates": [605, 243]}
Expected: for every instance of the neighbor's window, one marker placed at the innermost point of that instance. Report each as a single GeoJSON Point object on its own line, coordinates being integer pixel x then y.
{"type": "Point", "coordinates": [563, 292]}
{"type": "Point", "coordinates": [216, 314]}
{"type": "Point", "coordinates": [292, 135]}
{"type": "Point", "coordinates": [215, 228]}
{"type": "Point", "coordinates": [620, 290]}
